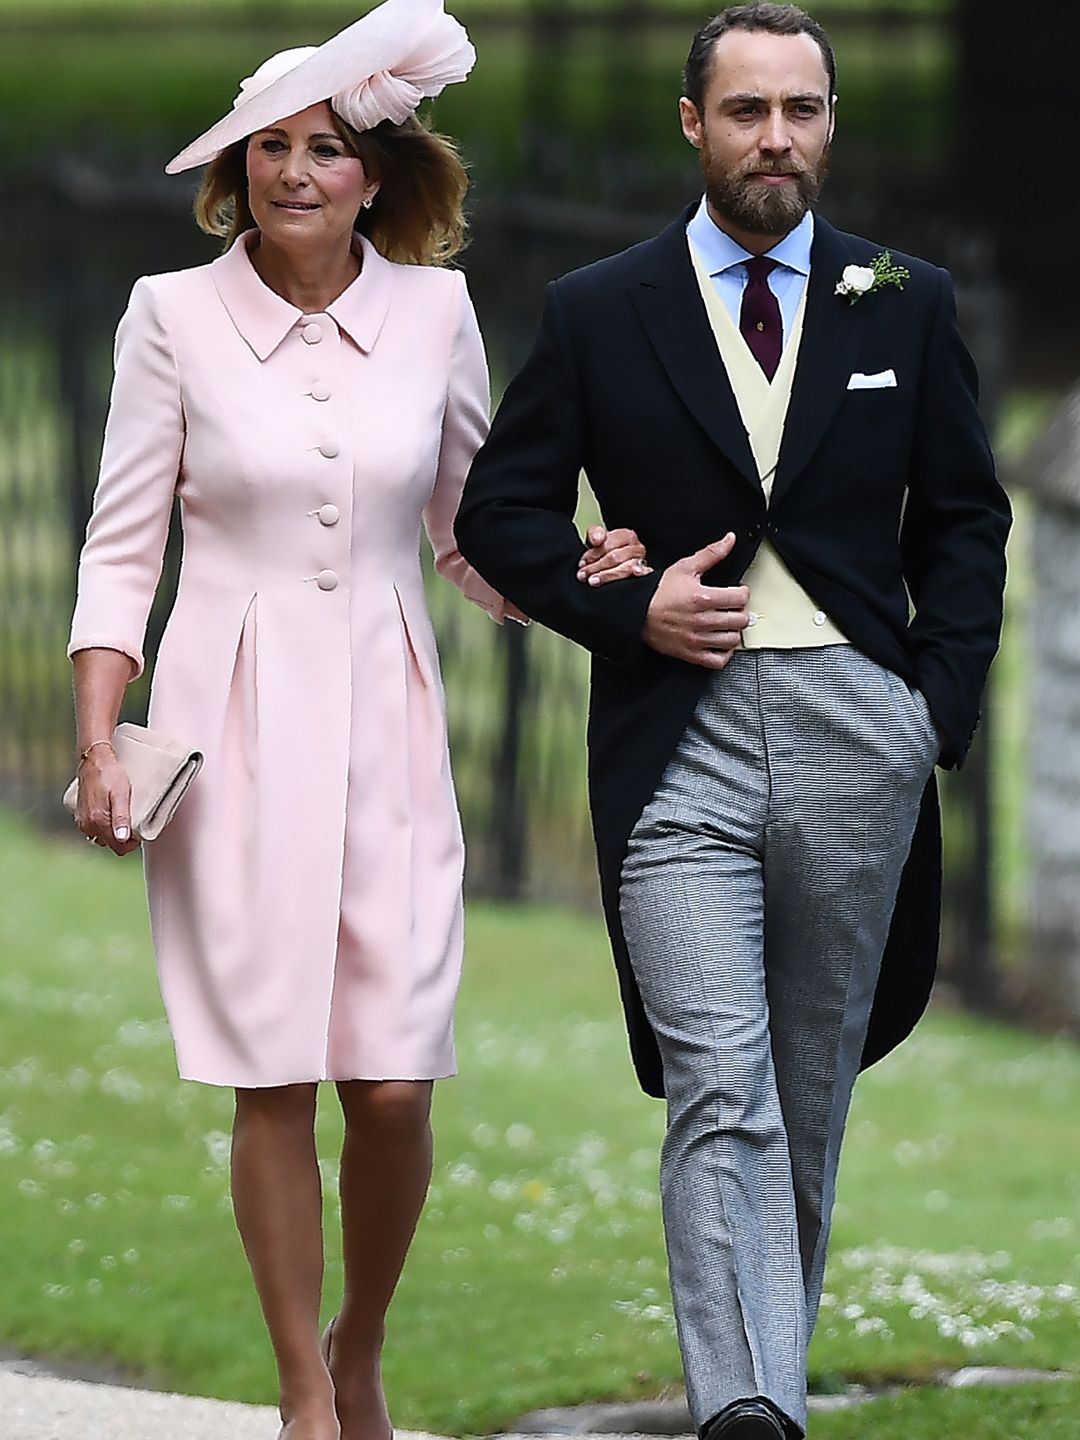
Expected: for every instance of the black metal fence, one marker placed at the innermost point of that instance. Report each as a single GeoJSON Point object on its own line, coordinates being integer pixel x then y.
{"type": "Point", "coordinates": [516, 700]}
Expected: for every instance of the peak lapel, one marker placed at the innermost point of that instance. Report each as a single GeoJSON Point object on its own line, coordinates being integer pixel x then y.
{"type": "Point", "coordinates": [832, 332]}
{"type": "Point", "coordinates": [668, 302]}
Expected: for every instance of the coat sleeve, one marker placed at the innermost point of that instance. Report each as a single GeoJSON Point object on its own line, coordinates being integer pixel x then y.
{"type": "Point", "coordinates": [953, 538]}
{"type": "Point", "coordinates": [121, 560]}
{"type": "Point", "coordinates": [465, 424]}
{"type": "Point", "coordinates": [516, 521]}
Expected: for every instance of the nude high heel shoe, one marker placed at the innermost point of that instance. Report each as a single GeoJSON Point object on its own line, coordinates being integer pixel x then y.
{"type": "Point", "coordinates": [327, 1342]}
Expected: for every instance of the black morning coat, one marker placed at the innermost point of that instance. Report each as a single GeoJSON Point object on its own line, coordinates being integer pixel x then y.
{"type": "Point", "coordinates": [879, 495]}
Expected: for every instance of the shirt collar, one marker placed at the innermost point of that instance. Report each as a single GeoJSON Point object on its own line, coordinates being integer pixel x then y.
{"type": "Point", "coordinates": [263, 318]}
{"type": "Point", "coordinates": [720, 252]}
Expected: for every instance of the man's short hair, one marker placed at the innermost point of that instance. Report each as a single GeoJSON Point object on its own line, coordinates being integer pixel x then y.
{"type": "Point", "coordinates": [773, 20]}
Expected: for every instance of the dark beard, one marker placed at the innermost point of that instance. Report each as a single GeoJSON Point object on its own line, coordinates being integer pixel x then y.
{"type": "Point", "coordinates": [759, 209]}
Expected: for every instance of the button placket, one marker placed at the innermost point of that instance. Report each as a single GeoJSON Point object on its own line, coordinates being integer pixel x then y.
{"type": "Point", "coordinates": [321, 333]}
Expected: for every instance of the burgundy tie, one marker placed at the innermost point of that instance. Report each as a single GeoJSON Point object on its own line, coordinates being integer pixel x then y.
{"type": "Point", "coordinates": [759, 318]}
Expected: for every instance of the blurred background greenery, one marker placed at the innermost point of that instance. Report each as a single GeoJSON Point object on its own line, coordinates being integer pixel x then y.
{"type": "Point", "coordinates": [539, 1266]}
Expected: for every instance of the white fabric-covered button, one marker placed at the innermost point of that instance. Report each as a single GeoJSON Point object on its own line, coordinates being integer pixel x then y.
{"type": "Point", "coordinates": [321, 391]}
{"type": "Point", "coordinates": [820, 617]}
{"type": "Point", "coordinates": [329, 515]}
{"type": "Point", "coordinates": [312, 333]}
{"type": "Point", "coordinates": [326, 580]}
{"type": "Point", "coordinates": [330, 449]}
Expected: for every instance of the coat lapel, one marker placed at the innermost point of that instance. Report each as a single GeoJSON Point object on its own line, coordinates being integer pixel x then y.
{"type": "Point", "coordinates": [668, 302]}
{"type": "Point", "coordinates": [832, 333]}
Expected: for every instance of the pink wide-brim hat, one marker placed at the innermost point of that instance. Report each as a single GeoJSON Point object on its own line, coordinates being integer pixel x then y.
{"type": "Point", "coordinates": [379, 68]}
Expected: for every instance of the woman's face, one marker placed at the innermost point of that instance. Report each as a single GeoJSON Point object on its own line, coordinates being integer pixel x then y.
{"type": "Point", "coordinates": [303, 184]}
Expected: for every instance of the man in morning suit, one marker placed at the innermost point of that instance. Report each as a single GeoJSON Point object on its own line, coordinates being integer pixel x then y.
{"type": "Point", "coordinates": [767, 708]}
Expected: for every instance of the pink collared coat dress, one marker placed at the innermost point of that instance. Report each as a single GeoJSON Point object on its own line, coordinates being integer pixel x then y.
{"type": "Point", "coordinates": [305, 903]}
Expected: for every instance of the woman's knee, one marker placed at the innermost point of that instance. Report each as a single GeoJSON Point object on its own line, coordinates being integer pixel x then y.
{"type": "Point", "coordinates": [277, 1106]}
{"type": "Point", "coordinates": [387, 1110]}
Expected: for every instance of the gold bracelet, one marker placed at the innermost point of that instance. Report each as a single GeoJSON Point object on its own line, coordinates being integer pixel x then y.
{"type": "Point", "coordinates": [93, 746]}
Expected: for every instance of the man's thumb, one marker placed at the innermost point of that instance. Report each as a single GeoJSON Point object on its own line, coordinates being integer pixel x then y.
{"type": "Point", "coordinates": [711, 555]}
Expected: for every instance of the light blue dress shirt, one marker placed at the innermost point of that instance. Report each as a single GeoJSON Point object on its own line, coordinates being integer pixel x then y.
{"type": "Point", "coordinates": [725, 261]}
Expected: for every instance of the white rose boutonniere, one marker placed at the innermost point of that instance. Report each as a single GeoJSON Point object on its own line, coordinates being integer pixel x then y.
{"type": "Point", "coordinates": [856, 280]}
{"type": "Point", "coordinates": [860, 280]}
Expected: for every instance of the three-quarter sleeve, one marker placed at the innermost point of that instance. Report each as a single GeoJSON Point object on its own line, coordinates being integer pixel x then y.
{"type": "Point", "coordinates": [465, 426]}
{"type": "Point", "coordinates": [121, 560]}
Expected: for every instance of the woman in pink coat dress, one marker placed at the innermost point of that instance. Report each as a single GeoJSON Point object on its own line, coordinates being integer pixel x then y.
{"type": "Point", "coordinates": [310, 397]}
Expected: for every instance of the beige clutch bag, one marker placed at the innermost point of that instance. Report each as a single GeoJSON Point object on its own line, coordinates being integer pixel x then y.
{"type": "Point", "coordinates": [160, 770]}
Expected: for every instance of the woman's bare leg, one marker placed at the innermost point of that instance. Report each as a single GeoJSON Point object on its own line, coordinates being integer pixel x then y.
{"type": "Point", "coordinates": [385, 1171]}
{"type": "Point", "coordinates": [277, 1199]}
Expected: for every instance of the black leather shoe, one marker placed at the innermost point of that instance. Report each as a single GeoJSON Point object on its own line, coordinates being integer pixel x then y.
{"type": "Point", "coordinates": [745, 1420]}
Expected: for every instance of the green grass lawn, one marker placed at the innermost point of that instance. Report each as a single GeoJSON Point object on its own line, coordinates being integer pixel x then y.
{"type": "Point", "coordinates": [1030, 1412]}
{"type": "Point", "coordinates": [538, 1275]}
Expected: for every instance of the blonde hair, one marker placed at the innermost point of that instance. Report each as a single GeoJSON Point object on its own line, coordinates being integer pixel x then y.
{"type": "Point", "coordinates": [418, 215]}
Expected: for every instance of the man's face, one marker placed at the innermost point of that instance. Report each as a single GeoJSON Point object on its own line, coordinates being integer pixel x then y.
{"type": "Point", "coordinates": [764, 130]}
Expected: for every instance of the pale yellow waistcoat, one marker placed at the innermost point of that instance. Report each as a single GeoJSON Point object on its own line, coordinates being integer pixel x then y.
{"type": "Point", "coordinates": [782, 615]}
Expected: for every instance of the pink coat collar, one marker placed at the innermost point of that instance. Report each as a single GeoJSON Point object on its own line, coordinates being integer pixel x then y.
{"type": "Point", "coordinates": [263, 318]}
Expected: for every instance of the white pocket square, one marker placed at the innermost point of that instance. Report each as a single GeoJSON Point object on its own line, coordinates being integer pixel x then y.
{"type": "Point", "coordinates": [883, 380]}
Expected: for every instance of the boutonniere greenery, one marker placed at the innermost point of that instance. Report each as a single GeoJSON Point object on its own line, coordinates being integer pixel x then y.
{"type": "Point", "coordinates": [860, 280]}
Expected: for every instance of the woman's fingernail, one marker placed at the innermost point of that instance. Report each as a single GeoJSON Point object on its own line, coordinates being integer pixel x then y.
{"type": "Point", "coordinates": [121, 832]}
{"type": "Point", "coordinates": [594, 579]}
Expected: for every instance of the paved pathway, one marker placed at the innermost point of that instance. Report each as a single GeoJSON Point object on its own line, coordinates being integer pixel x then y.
{"type": "Point", "coordinates": [36, 1407]}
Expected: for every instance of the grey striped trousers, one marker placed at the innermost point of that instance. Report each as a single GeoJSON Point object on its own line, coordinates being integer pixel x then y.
{"type": "Point", "coordinates": [756, 898]}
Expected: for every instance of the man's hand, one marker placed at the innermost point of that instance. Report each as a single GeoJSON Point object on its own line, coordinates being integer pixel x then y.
{"type": "Point", "coordinates": [612, 555]}
{"type": "Point", "coordinates": [700, 624]}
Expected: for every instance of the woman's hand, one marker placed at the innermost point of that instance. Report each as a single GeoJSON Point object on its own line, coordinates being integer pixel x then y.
{"type": "Point", "coordinates": [612, 555]}
{"type": "Point", "coordinates": [103, 813]}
